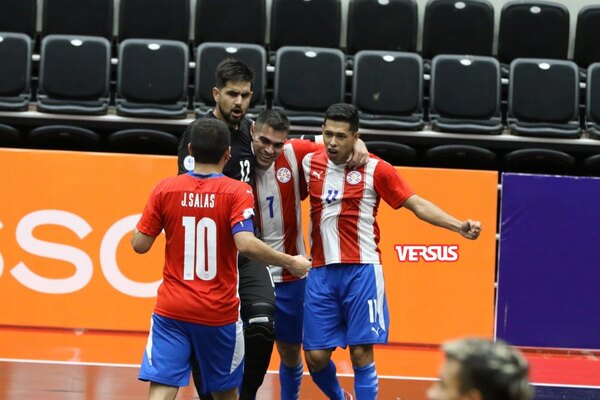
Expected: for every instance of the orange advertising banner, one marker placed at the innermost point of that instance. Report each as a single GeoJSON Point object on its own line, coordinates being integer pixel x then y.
{"type": "Point", "coordinates": [65, 224]}
{"type": "Point", "coordinates": [65, 259]}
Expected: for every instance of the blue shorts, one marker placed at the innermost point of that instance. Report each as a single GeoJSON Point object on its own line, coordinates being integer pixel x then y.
{"type": "Point", "coordinates": [218, 349]}
{"type": "Point", "coordinates": [289, 311]}
{"type": "Point", "coordinates": [345, 304]}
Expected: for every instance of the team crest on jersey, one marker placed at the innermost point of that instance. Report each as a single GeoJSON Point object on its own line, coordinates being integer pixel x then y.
{"type": "Point", "coordinates": [353, 177]}
{"type": "Point", "coordinates": [284, 175]}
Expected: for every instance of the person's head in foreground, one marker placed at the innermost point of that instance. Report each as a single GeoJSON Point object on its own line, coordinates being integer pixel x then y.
{"type": "Point", "coordinates": [481, 369]}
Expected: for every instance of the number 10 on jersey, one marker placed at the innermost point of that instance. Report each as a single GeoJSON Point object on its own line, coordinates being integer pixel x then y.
{"type": "Point", "coordinates": [200, 248]}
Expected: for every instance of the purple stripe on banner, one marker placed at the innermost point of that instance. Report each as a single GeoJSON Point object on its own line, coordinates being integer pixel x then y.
{"type": "Point", "coordinates": [549, 262]}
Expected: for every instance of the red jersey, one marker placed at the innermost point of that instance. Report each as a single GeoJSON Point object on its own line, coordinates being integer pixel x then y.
{"type": "Point", "coordinates": [200, 275]}
{"type": "Point", "coordinates": [343, 208]}
{"type": "Point", "coordinates": [279, 191]}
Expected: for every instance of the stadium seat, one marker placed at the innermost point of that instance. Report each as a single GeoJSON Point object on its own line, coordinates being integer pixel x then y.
{"type": "Point", "coordinates": [307, 81]}
{"type": "Point", "coordinates": [154, 19]}
{"type": "Point", "coordinates": [387, 89]}
{"type": "Point", "coordinates": [587, 46]}
{"type": "Point", "coordinates": [210, 54]}
{"type": "Point", "coordinates": [592, 107]}
{"type": "Point", "coordinates": [533, 29]}
{"type": "Point", "coordinates": [152, 78]}
{"type": "Point", "coordinates": [15, 71]}
{"type": "Point", "coordinates": [539, 161]}
{"type": "Point", "coordinates": [74, 75]}
{"type": "Point", "coordinates": [460, 156]}
{"type": "Point", "coordinates": [235, 21]}
{"type": "Point", "coordinates": [465, 94]}
{"type": "Point", "coordinates": [9, 136]}
{"type": "Point", "coordinates": [458, 27]}
{"type": "Point", "coordinates": [305, 23]}
{"type": "Point", "coordinates": [63, 137]}
{"type": "Point", "coordinates": [78, 17]}
{"type": "Point", "coordinates": [591, 165]}
{"type": "Point", "coordinates": [395, 153]}
{"type": "Point", "coordinates": [18, 16]}
{"type": "Point", "coordinates": [142, 141]}
{"type": "Point", "coordinates": [382, 25]}
{"type": "Point", "coordinates": [543, 98]}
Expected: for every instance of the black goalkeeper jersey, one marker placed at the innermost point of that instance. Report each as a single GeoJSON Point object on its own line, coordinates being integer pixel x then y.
{"type": "Point", "coordinates": [241, 164]}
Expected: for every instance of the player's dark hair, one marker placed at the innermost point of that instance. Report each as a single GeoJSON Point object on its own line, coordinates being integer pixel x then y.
{"type": "Point", "coordinates": [273, 118]}
{"type": "Point", "coordinates": [232, 70]}
{"type": "Point", "coordinates": [210, 138]}
{"type": "Point", "coordinates": [343, 112]}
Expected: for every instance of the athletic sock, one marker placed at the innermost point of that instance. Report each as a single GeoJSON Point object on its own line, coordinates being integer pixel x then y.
{"type": "Point", "coordinates": [290, 379]}
{"type": "Point", "coordinates": [366, 382]}
{"type": "Point", "coordinates": [328, 382]}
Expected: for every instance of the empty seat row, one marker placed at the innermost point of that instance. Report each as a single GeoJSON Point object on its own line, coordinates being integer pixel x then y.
{"type": "Point", "coordinates": [527, 160]}
{"type": "Point", "coordinates": [538, 29]}
{"type": "Point", "coordinates": [387, 87]}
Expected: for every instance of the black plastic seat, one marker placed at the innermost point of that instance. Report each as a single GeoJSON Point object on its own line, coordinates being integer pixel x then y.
{"type": "Point", "coordinates": [142, 141]}
{"type": "Point", "coordinates": [388, 89]}
{"type": "Point", "coordinates": [234, 21]}
{"type": "Point", "coordinates": [78, 17]}
{"type": "Point", "coordinates": [397, 154]}
{"type": "Point", "coordinates": [539, 161]}
{"type": "Point", "coordinates": [382, 25]}
{"type": "Point", "coordinates": [461, 157]}
{"type": "Point", "coordinates": [592, 106]}
{"type": "Point", "coordinates": [154, 19]}
{"type": "Point", "coordinates": [458, 27]}
{"type": "Point", "coordinates": [152, 78]}
{"type": "Point", "coordinates": [533, 29]}
{"type": "Point", "coordinates": [307, 81]}
{"type": "Point", "coordinates": [305, 23]}
{"type": "Point", "coordinates": [465, 94]}
{"type": "Point", "coordinates": [18, 16]}
{"type": "Point", "coordinates": [64, 137]}
{"type": "Point", "coordinates": [591, 165]}
{"type": "Point", "coordinates": [9, 136]}
{"type": "Point", "coordinates": [15, 71]}
{"type": "Point", "coordinates": [543, 98]}
{"type": "Point", "coordinates": [587, 32]}
{"type": "Point", "coordinates": [74, 75]}
{"type": "Point", "coordinates": [209, 55]}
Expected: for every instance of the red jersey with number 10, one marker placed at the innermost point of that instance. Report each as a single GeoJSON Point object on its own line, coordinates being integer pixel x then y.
{"type": "Point", "coordinates": [200, 275]}
{"type": "Point", "coordinates": [343, 207]}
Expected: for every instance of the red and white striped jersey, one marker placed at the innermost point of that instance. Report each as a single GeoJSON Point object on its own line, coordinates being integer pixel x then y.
{"type": "Point", "coordinates": [279, 191]}
{"type": "Point", "coordinates": [343, 207]}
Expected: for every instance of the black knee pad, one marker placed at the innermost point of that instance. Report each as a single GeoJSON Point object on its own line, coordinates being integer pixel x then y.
{"type": "Point", "coordinates": [259, 335]}
{"type": "Point", "coordinates": [259, 318]}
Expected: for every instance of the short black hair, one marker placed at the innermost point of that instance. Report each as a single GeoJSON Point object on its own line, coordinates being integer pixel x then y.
{"type": "Point", "coordinates": [210, 138]}
{"type": "Point", "coordinates": [273, 118]}
{"type": "Point", "coordinates": [343, 112]}
{"type": "Point", "coordinates": [232, 70]}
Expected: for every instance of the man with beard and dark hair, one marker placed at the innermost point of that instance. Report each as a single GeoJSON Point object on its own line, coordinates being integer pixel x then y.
{"type": "Point", "coordinates": [232, 95]}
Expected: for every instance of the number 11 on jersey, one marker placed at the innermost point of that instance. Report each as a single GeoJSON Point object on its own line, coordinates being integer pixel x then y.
{"type": "Point", "coordinates": [200, 248]}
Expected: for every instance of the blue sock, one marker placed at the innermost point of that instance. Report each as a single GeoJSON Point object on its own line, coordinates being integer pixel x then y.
{"type": "Point", "coordinates": [366, 382]}
{"type": "Point", "coordinates": [328, 382]}
{"type": "Point", "coordinates": [290, 379]}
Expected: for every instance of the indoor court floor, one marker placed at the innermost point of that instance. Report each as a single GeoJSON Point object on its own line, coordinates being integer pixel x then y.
{"type": "Point", "coordinates": [53, 364]}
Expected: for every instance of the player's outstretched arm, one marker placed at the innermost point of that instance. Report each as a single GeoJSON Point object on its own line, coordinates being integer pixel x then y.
{"type": "Point", "coordinates": [255, 249]}
{"type": "Point", "coordinates": [429, 212]}
{"type": "Point", "coordinates": [141, 242]}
